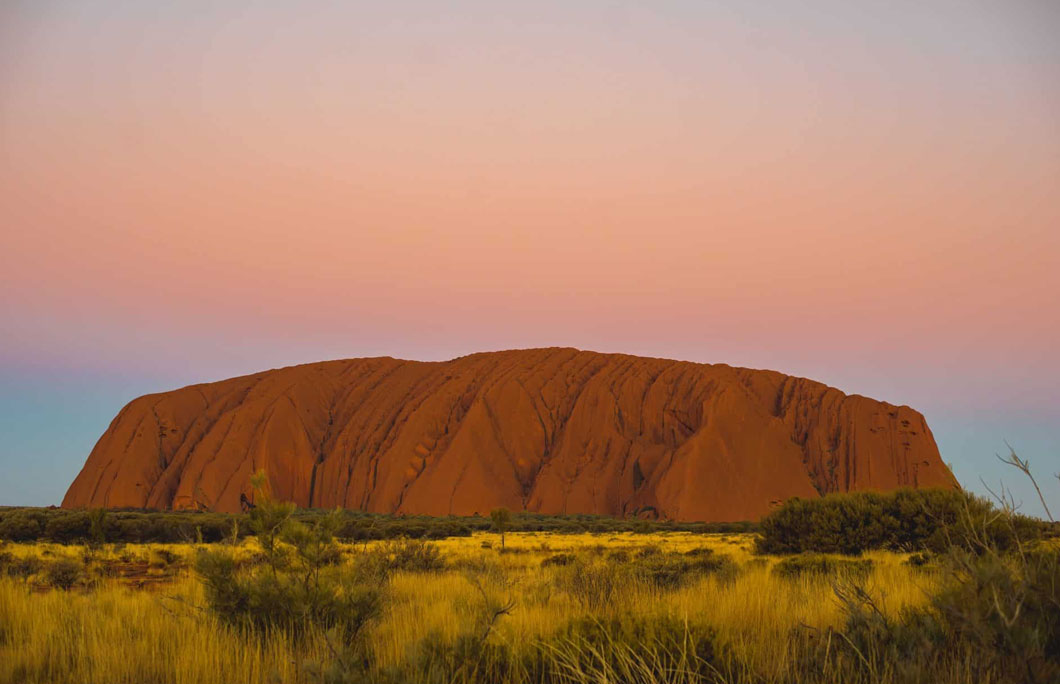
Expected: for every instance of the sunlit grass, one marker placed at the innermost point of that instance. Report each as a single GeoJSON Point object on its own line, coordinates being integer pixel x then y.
{"type": "Point", "coordinates": [109, 633]}
{"type": "Point", "coordinates": [115, 634]}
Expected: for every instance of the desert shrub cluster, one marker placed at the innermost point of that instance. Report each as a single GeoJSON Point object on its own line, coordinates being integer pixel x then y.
{"type": "Point", "coordinates": [65, 573]}
{"type": "Point", "coordinates": [96, 526]}
{"type": "Point", "coordinates": [994, 614]}
{"type": "Point", "coordinates": [902, 520]}
{"type": "Point", "coordinates": [995, 618]}
{"type": "Point", "coordinates": [405, 555]}
{"type": "Point", "coordinates": [59, 573]}
{"type": "Point", "coordinates": [953, 590]}
{"type": "Point", "coordinates": [822, 566]}
{"type": "Point", "coordinates": [670, 570]}
{"type": "Point", "coordinates": [19, 567]}
{"type": "Point", "coordinates": [298, 584]}
{"type": "Point", "coordinates": [168, 527]}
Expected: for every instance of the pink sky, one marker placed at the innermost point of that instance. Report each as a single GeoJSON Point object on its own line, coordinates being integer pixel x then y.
{"type": "Point", "coordinates": [865, 195]}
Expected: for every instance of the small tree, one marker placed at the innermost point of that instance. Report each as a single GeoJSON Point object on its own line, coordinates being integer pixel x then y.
{"type": "Point", "coordinates": [269, 520]}
{"type": "Point", "coordinates": [302, 585]}
{"type": "Point", "coordinates": [97, 527]}
{"type": "Point", "coordinates": [501, 517]}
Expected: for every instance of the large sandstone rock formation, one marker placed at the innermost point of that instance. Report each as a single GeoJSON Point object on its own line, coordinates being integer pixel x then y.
{"type": "Point", "coordinates": [550, 430]}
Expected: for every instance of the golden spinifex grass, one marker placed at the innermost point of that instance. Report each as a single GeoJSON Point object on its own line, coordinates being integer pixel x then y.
{"type": "Point", "coordinates": [114, 628]}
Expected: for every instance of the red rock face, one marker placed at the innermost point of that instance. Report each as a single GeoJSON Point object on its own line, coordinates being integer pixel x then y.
{"type": "Point", "coordinates": [548, 430]}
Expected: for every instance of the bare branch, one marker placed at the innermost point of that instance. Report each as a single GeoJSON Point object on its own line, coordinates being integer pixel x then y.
{"type": "Point", "coordinates": [493, 610]}
{"type": "Point", "coordinates": [1024, 465]}
{"type": "Point", "coordinates": [1005, 499]}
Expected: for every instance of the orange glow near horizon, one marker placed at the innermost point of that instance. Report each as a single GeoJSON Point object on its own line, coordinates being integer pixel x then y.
{"type": "Point", "coordinates": [870, 196]}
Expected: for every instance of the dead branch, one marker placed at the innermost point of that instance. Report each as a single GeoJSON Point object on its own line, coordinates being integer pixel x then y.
{"type": "Point", "coordinates": [1024, 465]}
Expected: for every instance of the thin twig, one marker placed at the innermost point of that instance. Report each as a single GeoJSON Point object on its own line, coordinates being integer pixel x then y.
{"type": "Point", "coordinates": [1023, 464]}
{"type": "Point", "coordinates": [184, 602]}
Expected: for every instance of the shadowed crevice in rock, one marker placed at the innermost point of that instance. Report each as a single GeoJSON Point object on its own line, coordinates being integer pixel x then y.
{"type": "Point", "coordinates": [547, 430]}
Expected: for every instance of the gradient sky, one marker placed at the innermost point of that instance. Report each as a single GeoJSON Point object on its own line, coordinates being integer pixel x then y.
{"type": "Point", "coordinates": [867, 194]}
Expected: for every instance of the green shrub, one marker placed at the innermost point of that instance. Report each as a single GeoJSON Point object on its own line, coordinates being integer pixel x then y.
{"type": "Point", "coordinates": [336, 598]}
{"type": "Point", "coordinates": [1006, 610]}
{"type": "Point", "coordinates": [996, 619]}
{"type": "Point", "coordinates": [817, 565]}
{"type": "Point", "coordinates": [67, 527]}
{"type": "Point", "coordinates": [407, 555]}
{"type": "Point", "coordinates": [467, 658]}
{"type": "Point", "coordinates": [140, 526]}
{"type": "Point", "coordinates": [501, 519]}
{"type": "Point", "coordinates": [22, 568]}
{"type": "Point", "coordinates": [22, 525]}
{"type": "Point", "coordinates": [65, 573]}
{"type": "Point", "coordinates": [675, 570]}
{"type": "Point", "coordinates": [97, 527]}
{"type": "Point", "coordinates": [297, 585]}
{"type": "Point", "coordinates": [903, 520]}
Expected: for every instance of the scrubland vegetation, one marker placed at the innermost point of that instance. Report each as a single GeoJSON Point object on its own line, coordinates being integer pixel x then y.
{"type": "Point", "coordinates": [135, 526]}
{"type": "Point", "coordinates": [905, 587]}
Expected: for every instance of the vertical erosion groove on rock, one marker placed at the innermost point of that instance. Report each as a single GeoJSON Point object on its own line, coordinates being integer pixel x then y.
{"type": "Point", "coordinates": [548, 430]}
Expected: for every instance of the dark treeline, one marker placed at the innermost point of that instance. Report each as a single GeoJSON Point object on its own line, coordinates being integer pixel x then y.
{"type": "Point", "coordinates": [144, 526]}
{"type": "Point", "coordinates": [903, 520]}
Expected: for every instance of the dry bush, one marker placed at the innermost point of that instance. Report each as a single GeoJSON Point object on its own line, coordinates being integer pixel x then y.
{"type": "Point", "coordinates": [65, 573]}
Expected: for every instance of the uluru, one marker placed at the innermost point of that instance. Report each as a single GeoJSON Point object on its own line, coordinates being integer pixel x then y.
{"type": "Point", "coordinates": [553, 430]}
